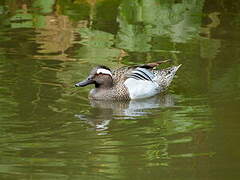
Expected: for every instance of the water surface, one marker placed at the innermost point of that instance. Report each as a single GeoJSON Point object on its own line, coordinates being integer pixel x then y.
{"type": "Point", "coordinates": [50, 130]}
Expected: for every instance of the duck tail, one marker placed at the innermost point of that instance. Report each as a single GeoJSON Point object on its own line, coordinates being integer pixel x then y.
{"type": "Point", "coordinates": [154, 64]}
{"type": "Point", "coordinates": [165, 76]}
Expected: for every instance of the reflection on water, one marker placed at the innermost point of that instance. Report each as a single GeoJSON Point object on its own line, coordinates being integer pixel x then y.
{"type": "Point", "coordinates": [51, 131]}
{"type": "Point", "coordinates": [105, 111]}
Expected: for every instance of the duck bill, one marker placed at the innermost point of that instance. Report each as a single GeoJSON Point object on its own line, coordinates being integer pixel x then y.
{"type": "Point", "coordinates": [84, 83]}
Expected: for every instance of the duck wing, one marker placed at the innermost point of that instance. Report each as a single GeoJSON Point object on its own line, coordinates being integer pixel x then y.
{"type": "Point", "coordinates": [138, 72]}
{"type": "Point", "coordinates": [141, 73]}
{"type": "Point", "coordinates": [140, 83]}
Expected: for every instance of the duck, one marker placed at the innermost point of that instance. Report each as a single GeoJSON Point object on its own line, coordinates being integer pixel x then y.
{"type": "Point", "coordinates": [128, 82]}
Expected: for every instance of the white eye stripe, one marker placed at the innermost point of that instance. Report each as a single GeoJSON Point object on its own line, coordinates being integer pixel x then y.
{"type": "Point", "coordinates": [104, 71]}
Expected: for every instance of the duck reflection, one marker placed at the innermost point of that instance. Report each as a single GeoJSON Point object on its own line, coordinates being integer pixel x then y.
{"type": "Point", "coordinates": [103, 112]}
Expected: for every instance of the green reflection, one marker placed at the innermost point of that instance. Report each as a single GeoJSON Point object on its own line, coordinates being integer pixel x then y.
{"type": "Point", "coordinates": [97, 47]}
{"type": "Point", "coordinates": [44, 6]}
{"type": "Point", "coordinates": [140, 21]}
{"type": "Point", "coordinates": [50, 130]}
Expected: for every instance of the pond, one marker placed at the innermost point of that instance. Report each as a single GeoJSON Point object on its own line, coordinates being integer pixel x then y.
{"type": "Point", "coordinates": [51, 130]}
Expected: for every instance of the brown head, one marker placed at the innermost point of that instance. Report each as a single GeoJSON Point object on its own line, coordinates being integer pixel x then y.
{"type": "Point", "coordinates": [101, 76]}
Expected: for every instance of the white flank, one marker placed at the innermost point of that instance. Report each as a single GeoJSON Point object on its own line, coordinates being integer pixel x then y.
{"type": "Point", "coordinates": [139, 89]}
{"type": "Point", "coordinates": [104, 71]}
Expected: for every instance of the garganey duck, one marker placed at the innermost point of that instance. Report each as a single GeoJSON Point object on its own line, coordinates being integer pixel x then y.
{"type": "Point", "coordinates": [127, 83]}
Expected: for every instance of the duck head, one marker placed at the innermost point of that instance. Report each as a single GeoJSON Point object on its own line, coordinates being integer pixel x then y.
{"type": "Point", "coordinates": [101, 77]}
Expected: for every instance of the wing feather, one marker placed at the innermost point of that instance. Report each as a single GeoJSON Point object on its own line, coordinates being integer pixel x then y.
{"type": "Point", "coordinates": [141, 74]}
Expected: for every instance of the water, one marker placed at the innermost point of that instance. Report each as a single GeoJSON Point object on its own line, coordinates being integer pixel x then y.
{"type": "Point", "coordinates": [50, 130]}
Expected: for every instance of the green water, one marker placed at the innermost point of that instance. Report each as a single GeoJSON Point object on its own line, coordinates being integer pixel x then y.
{"type": "Point", "coordinates": [50, 130]}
